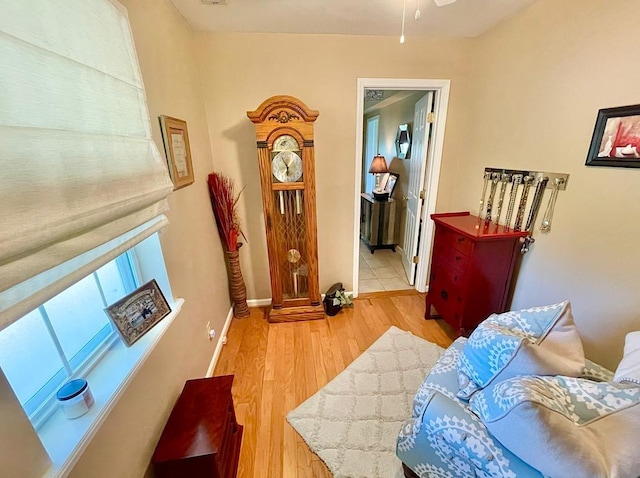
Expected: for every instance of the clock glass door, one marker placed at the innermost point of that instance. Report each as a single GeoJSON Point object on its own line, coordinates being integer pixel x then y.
{"type": "Point", "coordinates": [290, 221]}
{"type": "Point", "coordinates": [290, 227]}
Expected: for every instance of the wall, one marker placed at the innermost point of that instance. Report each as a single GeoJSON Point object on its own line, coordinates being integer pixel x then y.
{"type": "Point", "coordinates": [391, 117]}
{"type": "Point", "coordinates": [539, 80]}
{"type": "Point", "coordinates": [194, 257]}
{"type": "Point", "coordinates": [241, 70]}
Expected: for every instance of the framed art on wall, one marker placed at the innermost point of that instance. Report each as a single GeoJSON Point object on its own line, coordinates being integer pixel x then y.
{"type": "Point", "coordinates": [176, 146]}
{"type": "Point", "coordinates": [616, 138]}
{"type": "Point", "coordinates": [135, 314]}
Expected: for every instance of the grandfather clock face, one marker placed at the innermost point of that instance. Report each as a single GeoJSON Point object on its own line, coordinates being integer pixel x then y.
{"type": "Point", "coordinates": [289, 220]}
{"type": "Point", "coordinates": [286, 163]}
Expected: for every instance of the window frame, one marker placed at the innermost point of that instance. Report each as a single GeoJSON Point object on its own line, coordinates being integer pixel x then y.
{"type": "Point", "coordinates": [43, 403]}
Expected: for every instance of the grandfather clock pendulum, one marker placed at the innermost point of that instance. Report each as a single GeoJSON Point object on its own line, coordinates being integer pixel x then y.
{"type": "Point", "coordinates": [284, 133]}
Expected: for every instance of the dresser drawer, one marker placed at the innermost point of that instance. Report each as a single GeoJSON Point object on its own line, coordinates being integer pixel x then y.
{"type": "Point", "coordinates": [447, 238]}
{"type": "Point", "coordinates": [443, 269]}
{"type": "Point", "coordinates": [451, 256]}
{"type": "Point", "coordinates": [448, 300]}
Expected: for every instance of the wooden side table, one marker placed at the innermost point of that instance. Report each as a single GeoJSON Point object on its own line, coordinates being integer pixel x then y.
{"type": "Point", "coordinates": [377, 222]}
{"type": "Point", "coordinates": [201, 437]}
{"type": "Point", "coordinates": [471, 269]}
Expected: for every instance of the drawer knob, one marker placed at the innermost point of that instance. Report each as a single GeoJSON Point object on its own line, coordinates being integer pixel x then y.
{"type": "Point", "coordinates": [458, 258]}
{"type": "Point", "coordinates": [444, 295]}
{"type": "Point", "coordinates": [460, 238]}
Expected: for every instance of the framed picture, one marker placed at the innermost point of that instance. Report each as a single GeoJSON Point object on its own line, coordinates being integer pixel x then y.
{"type": "Point", "coordinates": [391, 183]}
{"type": "Point", "coordinates": [616, 138]}
{"type": "Point", "coordinates": [135, 314]}
{"type": "Point", "coordinates": [388, 183]}
{"type": "Point", "coordinates": [176, 146]}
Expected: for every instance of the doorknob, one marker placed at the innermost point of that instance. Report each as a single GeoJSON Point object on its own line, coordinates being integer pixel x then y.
{"type": "Point", "coordinates": [405, 198]}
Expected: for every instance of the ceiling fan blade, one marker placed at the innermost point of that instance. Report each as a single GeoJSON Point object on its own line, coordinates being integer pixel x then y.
{"type": "Point", "coordinates": [442, 3]}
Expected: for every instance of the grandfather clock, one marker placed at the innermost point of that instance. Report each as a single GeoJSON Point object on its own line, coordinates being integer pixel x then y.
{"type": "Point", "coordinates": [284, 132]}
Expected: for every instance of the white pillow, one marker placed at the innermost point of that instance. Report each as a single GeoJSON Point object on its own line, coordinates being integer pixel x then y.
{"type": "Point", "coordinates": [565, 427]}
{"type": "Point", "coordinates": [629, 367]}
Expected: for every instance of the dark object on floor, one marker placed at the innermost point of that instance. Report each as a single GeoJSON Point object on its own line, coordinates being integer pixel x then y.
{"type": "Point", "coordinates": [201, 437]}
{"type": "Point", "coordinates": [329, 308]}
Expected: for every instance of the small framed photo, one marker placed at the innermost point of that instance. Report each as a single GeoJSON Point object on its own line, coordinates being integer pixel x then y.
{"type": "Point", "coordinates": [616, 138]}
{"type": "Point", "coordinates": [390, 183]}
{"type": "Point", "coordinates": [135, 314]}
{"type": "Point", "coordinates": [176, 146]}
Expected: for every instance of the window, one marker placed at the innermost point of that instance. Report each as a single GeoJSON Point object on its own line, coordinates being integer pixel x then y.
{"type": "Point", "coordinates": [61, 338]}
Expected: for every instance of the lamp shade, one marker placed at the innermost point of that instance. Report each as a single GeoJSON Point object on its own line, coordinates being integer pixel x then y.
{"type": "Point", "coordinates": [379, 165]}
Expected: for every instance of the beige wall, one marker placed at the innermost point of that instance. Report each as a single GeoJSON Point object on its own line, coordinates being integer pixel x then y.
{"type": "Point", "coordinates": [539, 80]}
{"type": "Point", "coordinates": [123, 446]}
{"type": "Point", "coordinates": [390, 118]}
{"type": "Point", "coordinates": [242, 70]}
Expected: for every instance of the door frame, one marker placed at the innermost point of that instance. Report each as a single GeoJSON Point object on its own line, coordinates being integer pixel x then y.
{"type": "Point", "coordinates": [432, 174]}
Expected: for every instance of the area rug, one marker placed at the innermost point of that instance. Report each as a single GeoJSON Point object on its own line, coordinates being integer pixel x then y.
{"type": "Point", "coordinates": [352, 422]}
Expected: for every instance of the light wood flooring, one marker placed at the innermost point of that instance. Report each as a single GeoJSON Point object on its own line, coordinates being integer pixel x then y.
{"type": "Point", "coordinates": [278, 366]}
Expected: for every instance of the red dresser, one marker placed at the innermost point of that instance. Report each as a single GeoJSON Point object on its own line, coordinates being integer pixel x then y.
{"type": "Point", "coordinates": [471, 269]}
{"type": "Point", "coordinates": [201, 437]}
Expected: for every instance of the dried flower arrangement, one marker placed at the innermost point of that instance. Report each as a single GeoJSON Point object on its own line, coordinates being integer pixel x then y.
{"type": "Point", "coordinates": [223, 202]}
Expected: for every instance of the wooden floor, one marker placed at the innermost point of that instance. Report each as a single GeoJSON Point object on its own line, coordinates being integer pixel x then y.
{"type": "Point", "coordinates": [278, 366]}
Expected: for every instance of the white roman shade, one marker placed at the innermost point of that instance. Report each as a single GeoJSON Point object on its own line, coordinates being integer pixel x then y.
{"type": "Point", "coordinates": [81, 179]}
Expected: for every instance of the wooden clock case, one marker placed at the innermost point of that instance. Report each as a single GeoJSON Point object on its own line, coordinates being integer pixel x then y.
{"type": "Point", "coordinates": [289, 224]}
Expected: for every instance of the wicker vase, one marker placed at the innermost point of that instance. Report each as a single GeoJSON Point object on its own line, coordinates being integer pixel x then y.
{"type": "Point", "coordinates": [236, 285]}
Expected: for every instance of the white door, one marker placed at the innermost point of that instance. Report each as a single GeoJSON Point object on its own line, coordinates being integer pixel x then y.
{"type": "Point", "coordinates": [370, 151]}
{"type": "Point", "coordinates": [417, 168]}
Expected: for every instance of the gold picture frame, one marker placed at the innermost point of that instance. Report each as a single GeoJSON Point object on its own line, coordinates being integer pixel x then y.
{"type": "Point", "coordinates": [176, 146]}
{"type": "Point", "coordinates": [136, 313]}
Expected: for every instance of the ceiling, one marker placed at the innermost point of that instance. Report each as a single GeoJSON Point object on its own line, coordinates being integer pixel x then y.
{"type": "Point", "coordinates": [464, 18]}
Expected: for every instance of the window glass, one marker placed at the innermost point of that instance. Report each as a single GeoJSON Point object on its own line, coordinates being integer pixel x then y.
{"type": "Point", "coordinates": [77, 315]}
{"type": "Point", "coordinates": [27, 371]}
{"type": "Point", "coordinates": [111, 281]}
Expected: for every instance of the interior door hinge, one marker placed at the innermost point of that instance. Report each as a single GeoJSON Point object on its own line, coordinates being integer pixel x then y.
{"type": "Point", "coordinates": [416, 259]}
{"type": "Point", "coordinates": [422, 194]}
{"type": "Point", "coordinates": [431, 117]}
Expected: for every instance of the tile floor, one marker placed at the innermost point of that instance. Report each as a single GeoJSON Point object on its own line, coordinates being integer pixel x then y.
{"type": "Point", "coordinates": [381, 271]}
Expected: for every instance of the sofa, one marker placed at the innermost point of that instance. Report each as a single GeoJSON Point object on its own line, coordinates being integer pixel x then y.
{"type": "Point", "coordinates": [520, 417]}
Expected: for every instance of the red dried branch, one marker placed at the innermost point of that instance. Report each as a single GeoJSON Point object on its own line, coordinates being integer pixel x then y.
{"type": "Point", "coordinates": [224, 205]}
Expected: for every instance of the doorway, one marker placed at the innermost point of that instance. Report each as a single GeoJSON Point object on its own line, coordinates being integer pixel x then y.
{"type": "Point", "coordinates": [429, 99]}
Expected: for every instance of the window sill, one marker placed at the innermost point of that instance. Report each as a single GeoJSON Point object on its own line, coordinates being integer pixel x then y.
{"type": "Point", "coordinates": [65, 440]}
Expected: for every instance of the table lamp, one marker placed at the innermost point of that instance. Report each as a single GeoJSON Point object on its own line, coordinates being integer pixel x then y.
{"type": "Point", "coordinates": [378, 167]}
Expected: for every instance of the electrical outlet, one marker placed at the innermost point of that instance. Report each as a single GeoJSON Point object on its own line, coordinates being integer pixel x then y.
{"type": "Point", "coordinates": [211, 333]}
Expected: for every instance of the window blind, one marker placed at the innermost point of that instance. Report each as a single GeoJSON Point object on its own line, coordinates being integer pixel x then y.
{"type": "Point", "coordinates": [81, 175]}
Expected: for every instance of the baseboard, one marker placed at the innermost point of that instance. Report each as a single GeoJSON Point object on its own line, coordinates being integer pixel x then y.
{"type": "Point", "coordinates": [258, 302]}
{"type": "Point", "coordinates": [265, 302]}
{"type": "Point", "coordinates": [221, 342]}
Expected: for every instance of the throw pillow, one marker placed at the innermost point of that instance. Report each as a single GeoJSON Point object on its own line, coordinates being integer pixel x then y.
{"type": "Point", "coordinates": [536, 341]}
{"type": "Point", "coordinates": [564, 426]}
{"type": "Point", "coordinates": [629, 367]}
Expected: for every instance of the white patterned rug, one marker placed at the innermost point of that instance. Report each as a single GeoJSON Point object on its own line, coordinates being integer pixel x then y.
{"type": "Point", "coordinates": [353, 421]}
